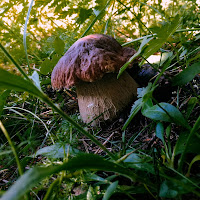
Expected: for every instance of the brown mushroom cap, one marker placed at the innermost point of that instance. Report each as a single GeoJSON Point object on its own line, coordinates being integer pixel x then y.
{"type": "Point", "coordinates": [88, 59]}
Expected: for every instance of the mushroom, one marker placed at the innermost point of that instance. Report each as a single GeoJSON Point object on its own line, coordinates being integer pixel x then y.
{"type": "Point", "coordinates": [92, 64]}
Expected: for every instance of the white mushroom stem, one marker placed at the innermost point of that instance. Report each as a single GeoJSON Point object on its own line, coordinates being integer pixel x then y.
{"type": "Point", "coordinates": [105, 98]}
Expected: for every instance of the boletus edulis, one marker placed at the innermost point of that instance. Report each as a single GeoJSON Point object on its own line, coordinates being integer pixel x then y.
{"type": "Point", "coordinates": [92, 64]}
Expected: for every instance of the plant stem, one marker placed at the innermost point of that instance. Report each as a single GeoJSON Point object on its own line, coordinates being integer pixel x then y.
{"type": "Point", "coordinates": [12, 147]}
{"type": "Point", "coordinates": [50, 189]}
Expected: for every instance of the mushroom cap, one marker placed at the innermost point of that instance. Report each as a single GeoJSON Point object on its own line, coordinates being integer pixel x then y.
{"type": "Point", "coordinates": [88, 59]}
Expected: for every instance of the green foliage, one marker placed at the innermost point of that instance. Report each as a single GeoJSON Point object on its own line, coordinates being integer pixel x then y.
{"type": "Point", "coordinates": [83, 161]}
{"type": "Point", "coordinates": [3, 97]}
{"type": "Point", "coordinates": [144, 95]}
{"type": "Point", "coordinates": [110, 190]}
{"type": "Point", "coordinates": [50, 147]}
{"type": "Point", "coordinates": [57, 151]}
{"type": "Point", "coordinates": [166, 112]}
{"type": "Point", "coordinates": [187, 74]}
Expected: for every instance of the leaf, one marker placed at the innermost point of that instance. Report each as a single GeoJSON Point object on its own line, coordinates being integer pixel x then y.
{"type": "Point", "coordinates": [98, 16]}
{"type": "Point", "coordinates": [168, 113]}
{"type": "Point", "coordinates": [166, 191]}
{"type": "Point", "coordinates": [191, 104]}
{"type": "Point", "coordinates": [143, 44]}
{"type": "Point", "coordinates": [36, 80]}
{"type": "Point", "coordinates": [59, 45]}
{"type": "Point", "coordinates": [48, 65]}
{"type": "Point", "coordinates": [80, 162]}
{"type": "Point", "coordinates": [147, 104]}
{"type": "Point", "coordinates": [170, 189]}
{"type": "Point", "coordinates": [163, 34]}
{"type": "Point", "coordinates": [54, 60]}
{"type": "Point", "coordinates": [110, 190]}
{"type": "Point", "coordinates": [187, 74]}
{"type": "Point", "coordinates": [195, 159]}
{"type": "Point", "coordinates": [57, 151]}
{"type": "Point", "coordinates": [135, 161]}
{"type": "Point", "coordinates": [14, 82]}
{"type": "Point", "coordinates": [193, 146]}
{"type": "Point", "coordinates": [144, 95]}
{"type": "Point", "coordinates": [3, 97]}
{"type": "Point", "coordinates": [84, 14]}
{"type": "Point", "coordinates": [45, 67]}
{"type": "Point", "coordinates": [135, 109]}
{"type": "Point", "coordinates": [160, 131]}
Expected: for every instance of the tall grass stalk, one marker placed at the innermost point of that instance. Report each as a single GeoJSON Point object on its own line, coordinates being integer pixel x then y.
{"type": "Point", "coordinates": [12, 147]}
{"type": "Point", "coordinates": [25, 28]}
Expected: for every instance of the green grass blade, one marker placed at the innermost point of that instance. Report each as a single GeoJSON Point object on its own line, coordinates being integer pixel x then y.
{"type": "Point", "coordinates": [25, 29]}
{"type": "Point", "coordinates": [110, 190]}
{"type": "Point", "coordinates": [142, 46]}
{"type": "Point", "coordinates": [12, 147]}
{"type": "Point", "coordinates": [81, 162]}
{"type": "Point", "coordinates": [96, 18]}
{"type": "Point", "coordinates": [13, 61]}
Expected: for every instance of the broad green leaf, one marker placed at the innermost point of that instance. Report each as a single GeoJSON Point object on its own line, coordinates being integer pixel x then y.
{"type": "Point", "coordinates": [3, 96]}
{"type": "Point", "coordinates": [187, 74]}
{"type": "Point", "coordinates": [193, 146]}
{"type": "Point", "coordinates": [59, 46]}
{"type": "Point", "coordinates": [163, 34]}
{"type": "Point", "coordinates": [45, 67]}
{"type": "Point", "coordinates": [110, 190]}
{"type": "Point", "coordinates": [14, 82]}
{"type": "Point", "coordinates": [147, 103]}
{"type": "Point", "coordinates": [138, 162]}
{"type": "Point", "coordinates": [160, 131]}
{"type": "Point", "coordinates": [54, 60]}
{"type": "Point", "coordinates": [170, 189]}
{"type": "Point", "coordinates": [48, 65]}
{"type": "Point", "coordinates": [57, 151]}
{"type": "Point", "coordinates": [84, 14]}
{"type": "Point", "coordinates": [167, 190]}
{"type": "Point", "coordinates": [168, 113]}
{"type": "Point", "coordinates": [80, 162]}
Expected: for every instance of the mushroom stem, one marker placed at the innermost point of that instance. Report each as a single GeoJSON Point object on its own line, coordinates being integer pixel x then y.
{"type": "Point", "coordinates": [105, 98]}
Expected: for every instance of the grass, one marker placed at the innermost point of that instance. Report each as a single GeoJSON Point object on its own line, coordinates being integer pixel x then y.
{"type": "Point", "coordinates": [150, 152]}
